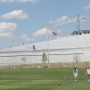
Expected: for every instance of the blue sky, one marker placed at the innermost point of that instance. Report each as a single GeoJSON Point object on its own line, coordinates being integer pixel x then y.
{"type": "Point", "coordinates": [29, 20]}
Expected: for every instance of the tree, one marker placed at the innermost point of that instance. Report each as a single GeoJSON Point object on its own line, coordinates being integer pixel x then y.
{"type": "Point", "coordinates": [76, 57]}
{"type": "Point", "coordinates": [44, 57]}
{"type": "Point", "coordinates": [23, 59]}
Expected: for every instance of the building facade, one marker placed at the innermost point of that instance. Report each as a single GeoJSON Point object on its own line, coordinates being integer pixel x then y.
{"type": "Point", "coordinates": [73, 48]}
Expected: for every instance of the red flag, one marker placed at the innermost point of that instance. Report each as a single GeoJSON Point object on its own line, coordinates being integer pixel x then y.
{"type": "Point", "coordinates": [54, 32]}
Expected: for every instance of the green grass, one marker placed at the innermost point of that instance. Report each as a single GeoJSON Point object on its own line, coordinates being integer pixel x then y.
{"type": "Point", "coordinates": [42, 79]}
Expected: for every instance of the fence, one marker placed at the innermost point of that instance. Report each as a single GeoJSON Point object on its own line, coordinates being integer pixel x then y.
{"type": "Point", "coordinates": [45, 65]}
{"type": "Point", "coordinates": [43, 59]}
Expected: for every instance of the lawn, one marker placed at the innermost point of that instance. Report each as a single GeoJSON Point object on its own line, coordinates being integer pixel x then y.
{"type": "Point", "coordinates": [42, 79]}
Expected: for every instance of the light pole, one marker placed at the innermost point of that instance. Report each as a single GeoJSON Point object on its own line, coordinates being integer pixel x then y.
{"type": "Point", "coordinates": [48, 46]}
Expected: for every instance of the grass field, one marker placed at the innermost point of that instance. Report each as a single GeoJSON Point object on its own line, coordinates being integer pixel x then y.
{"type": "Point", "coordinates": [42, 79]}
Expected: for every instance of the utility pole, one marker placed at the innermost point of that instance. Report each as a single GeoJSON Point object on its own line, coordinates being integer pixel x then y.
{"type": "Point", "coordinates": [78, 22]}
{"type": "Point", "coordinates": [48, 46]}
{"type": "Point", "coordinates": [79, 19]}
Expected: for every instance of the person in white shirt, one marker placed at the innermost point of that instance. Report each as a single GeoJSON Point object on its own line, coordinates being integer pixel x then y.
{"type": "Point", "coordinates": [75, 73]}
{"type": "Point", "coordinates": [88, 73]}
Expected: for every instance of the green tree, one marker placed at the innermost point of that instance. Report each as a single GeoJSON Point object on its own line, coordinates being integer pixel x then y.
{"type": "Point", "coordinates": [44, 57]}
{"type": "Point", "coordinates": [76, 58]}
{"type": "Point", "coordinates": [23, 59]}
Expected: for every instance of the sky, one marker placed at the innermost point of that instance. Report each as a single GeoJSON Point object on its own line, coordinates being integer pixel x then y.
{"type": "Point", "coordinates": [31, 21]}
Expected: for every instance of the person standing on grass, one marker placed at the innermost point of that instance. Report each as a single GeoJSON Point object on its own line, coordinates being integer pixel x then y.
{"type": "Point", "coordinates": [75, 73]}
{"type": "Point", "coordinates": [88, 73]}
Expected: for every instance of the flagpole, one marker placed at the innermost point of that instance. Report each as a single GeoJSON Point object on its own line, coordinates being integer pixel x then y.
{"type": "Point", "coordinates": [48, 46]}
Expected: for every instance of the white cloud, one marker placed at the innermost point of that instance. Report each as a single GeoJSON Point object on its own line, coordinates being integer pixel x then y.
{"type": "Point", "coordinates": [7, 0]}
{"type": "Point", "coordinates": [7, 29]}
{"type": "Point", "coordinates": [44, 31]}
{"type": "Point", "coordinates": [32, 1]}
{"type": "Point", "coordinates": [22, 1]}
{"type": "Point", "coordinates": [87, 7]}
{"type": "Point", "coordinates": [25, 37]}
{"type": "Point", "coordinates": [41, 32]}
{"type": "Point", "coordinates": [19, 14]}
{"type": "Point", "coordinates": [59, 20]}
{"type": "Point", "coordinates": [65, 20]}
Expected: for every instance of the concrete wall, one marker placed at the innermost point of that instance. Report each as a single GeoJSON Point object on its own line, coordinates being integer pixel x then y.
{"type": "Point", "coordinates": [66, 49]}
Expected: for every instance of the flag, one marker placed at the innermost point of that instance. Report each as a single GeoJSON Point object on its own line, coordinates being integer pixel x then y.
{"type": "Point", "coordinates": [54, 32]}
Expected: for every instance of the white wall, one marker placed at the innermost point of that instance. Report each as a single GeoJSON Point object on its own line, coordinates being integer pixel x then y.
{"type": "Point", "coordinates": [60, 50]}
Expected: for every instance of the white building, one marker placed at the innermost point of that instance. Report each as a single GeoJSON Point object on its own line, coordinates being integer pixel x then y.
{"type": "Point", "coordinates": [75, 47]}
